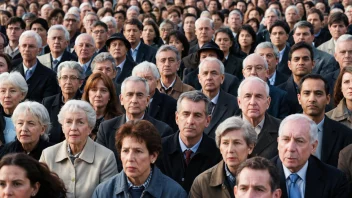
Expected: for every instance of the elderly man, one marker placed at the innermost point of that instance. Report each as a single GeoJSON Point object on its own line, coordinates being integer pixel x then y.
{"type": "Point", "coordinates": [85, 50]}
{"type": "Point", "coordinates": [89, 20]}
{"type": "Point", "coordinates": [189, 152]}
{"type": "Point", "coordinates": [111, 23]}
{"type": "Point", "coordinates": [321, 34]}
{"type": "Point", "coordinates": [40, 79]}
{"type": "Point", "coordinates": [254, 100]}
{"type": "Point", "coordinates": [189, 29]}
{"type": "Point", "coordinates": [168, 61]}
{"type": "Point", "coordinates": [271, 15]}
{"type": "Point", "coordinates": [100, 35]}
{"type": "Point", "coordinates": [85, 7]}
{"type": "Point", "coordinates": [135, 99]}
{"type": "Point", "coordinates": [292, 16]}
{"type": "Point", "coordinates": [45, 11]}
{"type": "Point", "coordinates": [132, 12]}
{"type": "Point", "coordinates": [58, 39]}
{"type": "Point", "coordinates": [301, 173]}
{"type": "Point", "coordinates": [235, 21]}
{"type": "Point", "coordinates": [71, 23]}
{"type": "Point", "coordinates": [14, 28]}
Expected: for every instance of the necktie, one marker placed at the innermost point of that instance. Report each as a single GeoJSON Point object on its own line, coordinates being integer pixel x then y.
{"type": "Point", "coordinates": [188, 154]}
{"type": "Point", "coordinates": [28, 74]}
{"type": "Point", "coordinates": [118, 72]}
{"type": "Point", "coordinates": [210, 108]}
{"type": "Point", "coordinates": [55, 62]}
{"type": "Point", "coordinates": [294, 189]}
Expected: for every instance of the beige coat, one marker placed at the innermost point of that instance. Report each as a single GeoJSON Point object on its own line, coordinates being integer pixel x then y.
{"type": "Point", "coordinates": [340, 114]}
{"type": "Point", "coordinates": [94, 165]}
{"type": "Point", "coordinates": [176, 90]}
{"type": "Point", "coordinates": [328, 47]}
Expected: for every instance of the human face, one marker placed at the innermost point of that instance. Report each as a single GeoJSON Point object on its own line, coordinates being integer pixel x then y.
{"type": "Point", "coordinates": [207, 53]}
{"type": "Point", "coordinates": [40, 30]}
{"type": "Point", "coordinates": [3, 65]}
{"type": "Point", "coordinates": [89, 21]}
{"type": "Point", "coordinates": [84, 48]}
{"type": "Point", "coordinates": [301, 63]}
{"type": "Point", "coordinates": [291, 16]}
{"type": "Point", "coordinates": [173, 16]}
{"type": "Point", "coordinates": [213, 6]}
{"type": "Point", "coordinates": [148, 33]}
{"type": "Point", "coordinates": [111, 29]}
{"type": "Point", "coordinates": [45, 12]}
{"type": "Point", "coordinates": [210, 77]}
{"type": "Point", "coordinates": [235, 22]}
{"type": "Point", "coordinates": [119, 20]}
{"type": "Point", "coordinates": [71, 23]}
{"type": "Point", "coordinates": [241, 6]}
{"type": "Point", "coordinates": [255, 66]}
{"type": "Point", "coordinates": [10, 97]}
{"type": "Point", "coordinates": [132, 34]}
{"type": "Point", "coordinates": [134, 98]}
{"type": "Point", "coordinates": [28, 128]}
{"type": "Point", "coordinates": [253, 100]}
{"type": "Point", "coordinates": [255, 183]}
{"type": "Point", "coordinates": [223, 41]}
{"type": "Point", "coordinates": [72, 84]}
{"type": "Point", "coordinates": [176, 43]}
{"type": "Point", "coordinates": [146, 7]}
{"type": "Point", "coordinates": [107, 4]}
{"type": "Point", "coordinates": [152, 81]}
{"type": "Point", "coordinates": [20, 11]}
{"type": "Point", "coordinates": [165, 30]}
{"type": "Point", "coordinates": [245, 39]}
{"type": "Point", "coordinates": [303, 34]}
{"type": "Point", "coordinates": [189, 24]}
{"type": "Point", "coordinates": [337, 29]}
{"type": "Point", "coordinates": [320, 6]}
{"type": "Point", "coordinates": [254, 14]}
{"type": "Point", "coordinates": [234, 149]}
{"type": "Point", "coordinates": [191, 119]}
{"type": "Point", "coordinates": [204, 32]}
{"type": "Point", "coordinates": [132, 14]}
{"type": "Point", "coordinates": [15, 183]}
{"type": "Point", "coordinates": [294, 144]}
{"type": "Point", "coordinates": [270, 18]}
{"type": "Point", "coordinates": [58, 19]}
{"type": "Point", "coordinates": [76, 129]}
{"type": "Point", "coordinates": [278, 37]}
{"type": "Point", "coordinates": [118, 49]}
{"type": "Point", "coordinates": [3, 18]}
{"type": "Point", "coordinates": [346, 86]}
{"type": "Point", "coordinates": [269, 55]}
{"type": "Point", "coordinates": [84, 11]}
{"type": "Point", "coordinates": [167, 63]}
{"type": "Point", "coordinates": [136, 160]}
{"type": "Point", "coordinates": [14, 31]}
{"type": "Point", "coordinates": [28, 48]}
{"type": "Point", "coordinates": [217, 21]}
{"type": "Point", "coordinates": [315, 21]}
{"type": "Point", "coordinates": [106, 68]}
{"type": "Point", "coordinates": [99, 34]}
{"type": "Point", "coordinates": [343, 53]}
{"type": "Point", "coordinates": [99, 95]}
{"type": "Point", "coordinates": [57, 41]}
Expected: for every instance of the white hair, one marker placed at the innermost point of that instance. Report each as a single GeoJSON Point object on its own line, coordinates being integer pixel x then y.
{"type": "Point", "coordinates": [74, 14]}
{"type": "Point", "coordinates": [15, 79]}
{"type": "Point", "coordinates": [276, 12]}
{"type": "Point", "coordinates": [135, 8]}
{"type": "Point", "coordinates": [47, 6]}
{"type": "Point", "coordinates": [313, 128]}
{"type": "Point", "coordinates": [85, 35]}
{"type": "Point", "coordinates": [134, 79]}
{"type": "Point", "coordinates": [71, 65]}
{"type": "Point", "coordinates": [270, 45]}
{"type": "Point", "coordinates": [214, 61]}
{"type": "Point", "coordinates": [255, 56]}
{"type": "Point", "coordinates": [85, 4]}
{"type": "Point", "coordinates": [60, 28]}
{"type": "Point", "coordinates": [75, 106]}
{"type": "Point", "coordinates": [294, 8]}
{"type": "Point", "coordinates": [237, 12]}
{"type": "Point", "coordinates": [107, 19]}
{"type": "Point", "coordinates": [253, 79]}
{"type": "Point", "coordinates": [31, 34]}
{"type": "Point", "coordinates": [146, 66]}
{"type": "Point", "coordinates": [74, 10]}
{"type": "Point", "coordinates": [211, 24]}
{"type": "Point", "coordinates": [341, 39]}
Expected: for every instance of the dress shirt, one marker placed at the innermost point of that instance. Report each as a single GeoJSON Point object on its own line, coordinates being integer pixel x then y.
{"type": "Point", "coordinates": [121, 65]}
{"type": "Point", "coordinates": [215, 99]}
{"type": "Point", "coordinates": [320, 139]}
{"type": "Point", "coordinates": [25, 68]}
{"type": "Point", "coordinates": [135, 51]}
{"type": "Point", "coordinates": [281, 54]}
{"type": "Point", "coordinates": [272, 78]}
{"type": "Point", "coordinates": [301, 182]}
{"type": "Point", "coordinates": [85, 65]}
{"type": "Point", "coordinates": [8, 50]}
{"type": "Point", "coordinates": [184, 147]}
{"type": "Point", "coordinates": [129, 119]}
{"type": "Point", "coordinates": [58, 58]}
{"type": "Point", "coordinates": [167, 88]}
{"type": "Point", "coordinates": [257, 128]}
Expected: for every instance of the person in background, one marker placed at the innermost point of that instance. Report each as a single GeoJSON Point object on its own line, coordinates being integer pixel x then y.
{"type": "Point", "coordinates": [5, 63]}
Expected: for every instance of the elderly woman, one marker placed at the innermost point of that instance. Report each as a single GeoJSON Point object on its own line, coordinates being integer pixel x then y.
{"type": "Point", "coordinates": [13, 89]}
{"type": "Point", "coordinates": [139, 145]}
{"type": "Point", "coordinates": [80, 162]}
{"type": "Point", "coordinates": [70, 76]}
{"type": "Point", "coordinates": [32, 124]}
{"type": "Point", "coordinates": [236, 141]}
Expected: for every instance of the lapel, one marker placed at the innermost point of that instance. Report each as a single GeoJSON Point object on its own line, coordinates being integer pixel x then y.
{"type": "Point", "coordinates": [140, 53]}
{"type": "Point", "coordinates": [35, 79]}
{"type": "Point", "coordinates": [155, 104]}
{"type": "Point", "coordinates": [291, 89]}
{"type": "Point", "coordinates": [264, 138]}
{"type": "Point", "coordinates": [230, 66]}
{"type": "Point", "coordinates": [119, 122]}
{"type": "Point", "coordinates": [314, 184]}
{"type": "Point", "coordinates": [279, 167]}
{"type": "Point", "coordinates": [329, 139]}
{"type": "Point", "coordinates": [331, 46]}
{"type": "Point", "coordinates": [219, 111]}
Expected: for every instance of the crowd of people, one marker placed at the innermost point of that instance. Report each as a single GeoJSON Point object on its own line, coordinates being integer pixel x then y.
{"type": "Point", "coordinates": [176, 98]}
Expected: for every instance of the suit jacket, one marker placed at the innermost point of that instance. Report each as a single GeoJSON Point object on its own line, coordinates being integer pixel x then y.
{"type": "Point", "coordinates": [324, 62]}
{"type": "Point", "coordinates": [41, 84]}
{"type": "Point", "coordinates": [104, 49]}
{"type": "Point", "coordinates": [163, 108]}
{"type": "Point", "coordinates": [280, 78]}
{"type": "Point", "coordinates": [283, 64]}
{"type": "Point", "coordinates": [47, 59]}
{"type": "Point", "coordinates": [194, 49]}
{"type": "Point", "coordinates": [331, 79]}
{"type": "Point", "coordinates": [108, 129]}
{"type": "Point", "coordinates": [233, 65]}
{"type": "Point", "coordinates": [278, 105]}
{"type": "Point", "coordinates": [322, 37]}
{"type": "Point", "coordinates": [126, 71]}
{"type": "Point", "coordinates": [145, 53]}
{"type": "Point", "coordinates": [328, 47]}
{"type": "Point", "coordinates": [226, 107]}
{"type": "Point", "coordinates": [172, 161]}
{"type": "Point", "coordinates": [263, 36]}
{"type": "Point", "coordinates": [191, 60]}
{"type": "Point", "coordinates": [322, 180]}
{"type": "Point", "coordinates": [290, 87]}
{"type": "Point", "coordinates": [177, 89]}
{"type": "Point", "coordinates": [345, 162]}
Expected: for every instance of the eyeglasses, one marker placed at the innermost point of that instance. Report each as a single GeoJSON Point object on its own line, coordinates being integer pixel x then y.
{"type": "Point", "coordinates": [65, 78]}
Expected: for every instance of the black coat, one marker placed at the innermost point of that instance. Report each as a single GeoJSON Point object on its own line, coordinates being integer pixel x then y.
{"type": "Point", "coordinates": [279, 107]}
{"type": "Point", "coordinates": [322, 38]}
{"type": "Point", "coordinates": [283, 64]}
{"type": "Point", "coordinates": [331, 79]}
{"type": "Point", "coordinates": [233, 65]}
{"type": "Point", "coordinates": [280, 78]}
{"type": "Point", "coordinates": [290, 87]}
{"type": "Point", "coordinates": [145, 53]}
{"type": "Point", "coordinates": [126, 70]}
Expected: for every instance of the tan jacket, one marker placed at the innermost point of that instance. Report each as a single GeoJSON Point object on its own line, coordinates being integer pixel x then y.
{"type": "Point", "coordinates": [94, 165]}
{"type": "Point", "coordinates": [328, 47]}
{"type": "Point", "coordinates": [211, 183]}
{"type": "Point", "coordinates": [340, 114]}
{"type": "Point", "coordinates": [176, 90]}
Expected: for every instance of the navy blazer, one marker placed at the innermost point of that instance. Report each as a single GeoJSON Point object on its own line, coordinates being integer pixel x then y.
{"type": "Point", "coordinates": [144, 53]}
{"type": "Point", "coordinates": [290, 87]}
{"type": "Point", "coordinates": [233, 65]}
{"type": "Point", "coordinates": [283, 64]}
{"type": "Point", "coordinates": [280, 78]}
{"type": "Point", "coordinates": [126, 70]}
{"type": "Point", "coordinates": [279, 107]}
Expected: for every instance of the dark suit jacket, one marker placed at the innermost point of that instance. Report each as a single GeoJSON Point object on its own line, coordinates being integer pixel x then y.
{"type": "Point", "coordinates": [263, 36]}
{"type": "Point", "coordinates": [172, 161]}
{"type": "Point", "coordinates": [290, 87]}
{"type": "Point", "coordinates": [108, 129]}
{"type": "Point", "coordinates": [163, 108]}
{"type": "Point", "coordinates": [41, 84]}
{"type": "Point", "coordinates": [226, 107]}
{"type": "Point", "coordinates": [331, 78]}
{"type": "Point", "coordinates": [324, 62]}
{"type": "Point", "coordinates": [283, 65]}
{"type": "Point", "coordinates": [322, 180]}
{"type": "Point", "coordinates": [322, 38]}
{"type": "Point", "coordinates": [145, 53]}
{"type": "Point", "coordinates": [126, 71]}
{"type": "Point", "coordinates": [194, 49]}
{"type": "Point", "coordinates": [280, 78]}
{"type": "Point", "coordinates": [104, 49]}
{"type": "Point", "coordinates": [279, 107]}
{"type": "Point", "coordinates": [233, 65]}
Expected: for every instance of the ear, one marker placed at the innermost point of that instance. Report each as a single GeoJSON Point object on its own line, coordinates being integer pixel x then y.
{"type": "Point", "coordinates": [269, 101]}
{"type": "Point", "coordinates": [250, 149]}
{"type": "Point", "coordinates": [289, 65]}
{"type": "Point", "coordinates": [328, 98]}
{"type": "Point", "coordinates": [299, 98]}
{"type": "Point", "coordinates": [35, 188]}
{"type": "Point", "coordinates": [277, 193]}
{"type": "Point", "coordinates": [239, 102]}
{"type": "Point", "coordinates": [314, 146]}
{"type": "Point", "coordinates": [176, 117]}
{"type": "Point", "coordinates": [235, 191]}
{"type": "Point", "coordinates": [313, 64]}
{"type": "Point", "coordinates": [121, 99]}
{"type": "Point", "coordinates": [208, 120]}
{"type": "Point", "coordinates": [222, 78]}
{"type": "Point", "coordinates": [153, 156]}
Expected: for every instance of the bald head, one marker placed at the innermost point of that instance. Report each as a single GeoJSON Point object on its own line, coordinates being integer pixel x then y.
{"type": "Point", "coordinates": [255, 65]}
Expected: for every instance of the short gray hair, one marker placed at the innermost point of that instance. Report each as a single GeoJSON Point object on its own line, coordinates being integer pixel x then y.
{"type": "Point", "coordinates": [135, 79]}
{"type": "Point", "coordinates": [348, 8]}
{"type": "Point", "coordinates": [16, 79]}
{"type": "Point", "coordinates": [74, 10]}
{"type": "Point", "coordinates": [146, 66]}
{"type": "Point", "coordinates": [73, 14]}
{"type": "Point", "coordinates": [60, 28]}
{"type": "Point", "coordinates": [268, 44]}
{"type": "Point", "coordinates": [102, 57]}
{"type": "Point", "coordinates": [236, 123]}
{"type": "Point", "coordinates": [199, 20]}
{"type": "Point", "coordinates": [135, 8]}
{"type": "Point", "coordinates": [212, 60]}
{"type": "Point", "coordinates": [71, 65]}
{"type": "Point", "coordinates": [36, 109]}
{"type": "Point", "coordinates": [195, 96]}
{"type": "Point", "coordinates": [342, 38]}
{"type": "Point", "coordinates": [313, 128]}
{"type": "Point", "coordinates": [75, 106]}
{"type": "Point", "coordinates": [82, 35]}
{"type": "Point", "coordinates": [85, 4]}
{"type": "Point", "coordinates": [107, 19]}
{"type": "Point", "coordinates": [276, 12]}
{"type": "Point", "coordinates": [90, 13]}
{"type": "Point", "coordinates": [293, 7]}
{"type": "Point", "coordinates": [255, 55]}
{"type": "Point", "coordinates": [167, 21]}
{"type": "Point", "coordinates": [253, 79]}
{"type": "Point", "coordinates": [233, 12]}
{"type": "Point", "coordinates": [303, 24]}
{"type": "Point", "coordinates": [31, 34]}
{"type": "Point", "coordinates": [165, 48]}
{"type": "Point", "coordinates": [47, 6]}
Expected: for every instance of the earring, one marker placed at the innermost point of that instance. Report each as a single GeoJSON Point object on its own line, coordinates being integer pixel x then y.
{"type": "Point", "coordinates": [33, 194]}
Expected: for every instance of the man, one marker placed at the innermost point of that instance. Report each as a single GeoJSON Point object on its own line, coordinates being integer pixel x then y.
{"type": "Point", "coordinates": [118, 47]}
{"type": "Point", "coordinates": [89, 20]}
{"type": "Point", "coordinates": [301, 174]}
{"type": "Point", "coordinates": [271, 15]}
{"type": "Point", "coordinates": [168, 61]}
{"type": "Point", "coordinates": [100, 35]}
{"type": "Point", "coordinates": [292, 16]}
{"type": "Point", "coordinates": [255, 65]}
{"type": "Point", "coordinates": [112, 25]}
{"type": "Point", "coordinates": [254, 99]}
{"type": "Point", "coordinates": [257, 177]}
{"type": "Point", "coordinates": [45, 11]}
{"type": "Point", "coordinates": [58, 39]}
{"type": "Point", "coordinates": [161, 106]}
{"type": "Point", "coordinates": [120, 17]}
{"type": "Point", "coordinates": [41, 26]}
{"type": "Point", "coordinates": [338, 23]}
{"type": "Point", "coordinates": [189, 152]}
{"type": "Point", "coordinates": [139, 51]}
{"type": "Point", "coordinates": [132, 13]}
{"type": "Point", "coordinates": [40, 79]}
{"type": "Point", "coordinates": [85, 50]}
{"type": "Point", "coordinates": [271, 54]}
{"type": "Point", "coordinates": [235, 21]}
{"type": "Point", "coordinates": [279, 33]}
{"type": "Point", "coordinates": [14, 28]}
{"type": "Point", "coordinates": [321, 34]}
{"type": "Point", "coordinates": [222, 105]}
{"type": "Point", "coordinates": [135, 99]}
{"type": "Point", "coordinates": [71, 23]}
{"type": "Point", "coordinates": [85, 7]}
{"type": "Point", "coordinates": [189, 21]}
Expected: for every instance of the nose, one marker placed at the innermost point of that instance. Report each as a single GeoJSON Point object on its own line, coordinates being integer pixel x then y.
{"type": "Point", "coordinates": [190, 120]}
{"type": "Point", "coordinates": [8, 190]}
{"type": "Point", "coordinates": [7, 93]}
{"type": "Point", "coordinates": [291, 145]}
{"type": "Point", "coordinates": [99, 93]}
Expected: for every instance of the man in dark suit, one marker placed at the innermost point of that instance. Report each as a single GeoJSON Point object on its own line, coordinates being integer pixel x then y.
{"type": "Point", "coordinates": [332, 135]}
{"type": "Point", "coordinates": [58, 40]}
{"type": "Point", "coordinates": [189, 152]}
{"type": "Point", "coordinates": [301, 173]}
{"type": "Point", "coordinates": [271, 15]}
{"type": "Point", "coordinates": [321, 33]}
{"type": "Point", "coordinates": [135, 99]}
{"type": "Point", "coordinates": [71, 22]}
{"type": "Point", "coordinates": [100, 35]}
{"type": "Point", "coordinates": [222, 105]}
{"type": "Point", "coordinates": [254, 100]}
{"type": "Point", "coordinates": [85, 50]}
{"type": "Point", "coordinates": [40, 79]}
{"type": "Point", "coordinates": [139, 51]}
{"type": "Point", "coordinates": [161, 106]}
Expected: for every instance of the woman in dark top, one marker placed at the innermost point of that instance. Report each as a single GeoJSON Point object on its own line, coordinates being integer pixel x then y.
{"type": "Point", "coordinates": [246, 39]}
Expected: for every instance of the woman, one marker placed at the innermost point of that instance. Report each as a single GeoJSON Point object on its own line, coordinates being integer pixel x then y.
{"type": "Point", "coordinates": [56, 17]}
{"type": "Point", "coordinates": [343, 98]}
{"type": "Point", "coordinates": [11, 9]}
{"type": "Point", "coordinates": [70, 76]}
{"type": "Point", "coordinates": [100, 92]}
{"type": "Point", "coordinates": [302, 10]}
{"type": "Point", "coordinates": [255, 24]}
{"type": "Point", "coordinates": [20, 10]}
{"type": "Point", "coordinates": [254, 13]}
{"type": "Point", "coordinates": [5, 63]}
{"type": "Point", "coordinates": [146, 6]}
{"type": "Point", "coordinates": [246, 40]}
{"type": "Point", "coordinates": [151, 34]}
{"type": "Point", "coordinates": [165, 28]}
{"type": "Point", "coordinates": [236, 140]}
{"type": "Point", "coordinates": [80, 162]}
{"type": "Point", "coordinates": [13, 89]}
{"type": "Point", "coordinates": [56, 4]}
{"type": "Point", "coordinates": [32, 123]}
{"type": "Point", "coordinates": [102, 12]}
{"type": "Point", "coordinates": [36, 179]}
{"type": "Point", "coordinates": [139, 175]}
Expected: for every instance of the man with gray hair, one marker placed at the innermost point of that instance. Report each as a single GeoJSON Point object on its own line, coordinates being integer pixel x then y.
{"type": "Point", "coordinates": [271, 15]}
{"type": "Point", "coordinates": [303, 174]}
{"type": "Point", "coordinates": [45, 11]}
{"type": "Point", "coordinates": [40, 79]}
{"type": "Point", "coordinates": [132, 12]}
{"type": "Point", "coordinates": [204, 33]}
{"type": "Point", "coordinates": [58, 40]}
{"type": "Point", "coordinates": [85, 50]}
{"type": "Point", "coordinates": [85, 7]}
{"type": "Point", "coordinates": [71, 23]}
{"type": "Point", "coordinates": [161, 106]}
{"type": "Point", "coordinates": [292, 16]}
{"type": "Point", "coordinates": [235, 21]}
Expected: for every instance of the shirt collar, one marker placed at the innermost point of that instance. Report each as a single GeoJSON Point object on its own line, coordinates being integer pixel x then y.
{"type": "Point", "coordinates": [301, 173]}
{"type": "Point", "coordinates": [184, 147]}
{"type": "Point", "coordinates": [321, 124]}
{"type": "Point", "coordinates": [215, 99]}
{"type": "Point", "coordinates": [166, 88]}
{"type": "Point", "coordinates": [282, 51]}
{"type": "Point", "coordinates": [58, 58]}
{"type": "Point", "coordinates": [136, 49]}
{"type": "Point", "coordinates": [317, 34]}
{"type": "Point", "coordinates": [229, 175]}
{"type": "Point", "coordinates": [257, 128]}
{"type": "Point", "coordinates": [144, 185]}
{"type": "Point", "coordinates": [272, 78]}
{"type": "Point", "coordinates": [129, 119]}
{"type": "Point", "coordinates": [32, 68]}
